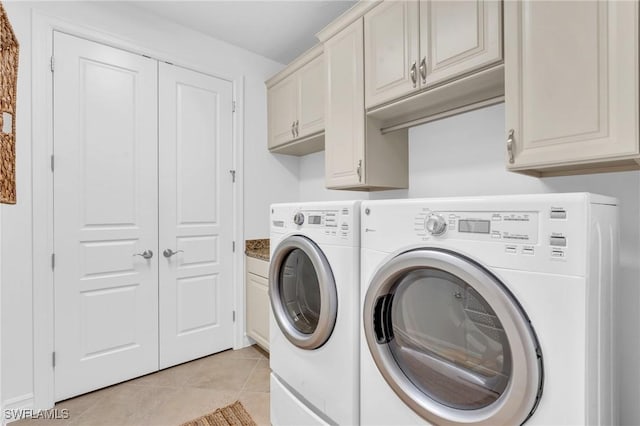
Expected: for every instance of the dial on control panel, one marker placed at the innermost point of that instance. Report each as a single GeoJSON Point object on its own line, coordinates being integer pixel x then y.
{"type": "Point", "coordinates": [436, 225]}
{"type": "Point", "coordinates": [298, 218]}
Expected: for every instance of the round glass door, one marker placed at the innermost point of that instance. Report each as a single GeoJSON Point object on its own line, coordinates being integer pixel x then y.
{"type": "Point", "coordinates": [302, 292]}
{"type": "Point", "coordinates": [452, 341]}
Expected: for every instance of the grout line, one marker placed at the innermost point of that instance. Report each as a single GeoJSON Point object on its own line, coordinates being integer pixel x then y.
{"type": "Point", "coordinates": [255, 366]}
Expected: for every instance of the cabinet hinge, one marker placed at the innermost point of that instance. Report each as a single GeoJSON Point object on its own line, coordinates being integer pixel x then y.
{"type": "Point", "coordinates": [234, 316]}
{"type": "Point", "coordinates": [233, 106]}
{"type": "Point", "coordinates": [53, 261]}
{"type": "Point", "coordinates": [233, 175]}
{"type": "Point", "coordinates": [53, 359]}
{"type": "Point", "coordinates": [52, 63]}
{"type": "Point", "coordinates": [52, 163]}
{"type": "Point", "coordinates": [233, 246]}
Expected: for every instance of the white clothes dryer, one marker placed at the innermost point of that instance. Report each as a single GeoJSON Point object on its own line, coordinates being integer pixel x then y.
{"type": "Point", "coordinates": [314, 288]}
{"type": "Point", "coordinates": [488, 310]}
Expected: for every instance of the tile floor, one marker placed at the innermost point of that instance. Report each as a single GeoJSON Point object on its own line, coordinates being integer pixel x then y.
{"type": "Point", "coordinates": [175, 395]}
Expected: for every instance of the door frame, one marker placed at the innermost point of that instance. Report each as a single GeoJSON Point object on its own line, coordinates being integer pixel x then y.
{"type": "Point", "coordinates": [42, 29]}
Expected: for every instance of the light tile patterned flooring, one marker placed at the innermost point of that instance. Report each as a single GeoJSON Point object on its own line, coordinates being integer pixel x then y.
{"type": "Point", "coordinates": [175, 395]}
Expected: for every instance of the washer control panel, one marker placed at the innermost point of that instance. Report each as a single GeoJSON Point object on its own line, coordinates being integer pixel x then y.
{"type": "Point", "coordinates": [332, 222]}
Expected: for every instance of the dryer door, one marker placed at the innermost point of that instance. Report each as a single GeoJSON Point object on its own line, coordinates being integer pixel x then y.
{"type": "Point", "coordinates": [452, 341]}
{"type": "Point", "coordinates": [303, 292]}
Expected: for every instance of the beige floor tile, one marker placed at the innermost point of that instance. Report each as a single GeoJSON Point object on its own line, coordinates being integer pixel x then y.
{"type": "Point", "coordinates": [127, 405]}
{"type": "Point", "coordinates": [259, 379]}
{"type": "Point", "coordinates": [257, 405]}
{"type": "Point", "coordinates": [189, 404]}
{"type": "Point", "coordinates": [228, 374]}
{"type": "Point", "coordinates": [175, 395]}
{"type": "Point", "coordinates": [251, 352]}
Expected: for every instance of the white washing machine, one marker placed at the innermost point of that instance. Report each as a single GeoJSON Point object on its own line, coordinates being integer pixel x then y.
{"type": "Point", "coordinates": [488, 311]}
{"type": "Point", "coordinates": [314, 287]}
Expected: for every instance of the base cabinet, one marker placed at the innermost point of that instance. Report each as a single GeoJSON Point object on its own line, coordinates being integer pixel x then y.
{"type": "Point", "coordinates": [257, 301]}
{"type": "Point", "coordinates": [571, 86]}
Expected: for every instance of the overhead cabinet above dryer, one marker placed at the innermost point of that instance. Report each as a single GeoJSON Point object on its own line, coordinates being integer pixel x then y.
{"type": "Point", "coordinates": [413, 47]}
{"type": "Point", "coordinates": [296, 106]}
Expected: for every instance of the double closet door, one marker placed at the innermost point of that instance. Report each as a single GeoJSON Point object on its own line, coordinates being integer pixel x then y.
{"type": "Point", "coordinates": [142, 215]}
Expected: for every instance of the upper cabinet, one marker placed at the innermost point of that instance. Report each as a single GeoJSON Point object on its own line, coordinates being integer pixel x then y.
{"type": "Point", "coordinates": [357, 155]}
{"type": "Point", "coordinates": [571, 76]}
{"type": "Point", "coordinates": [412, 46]}
{"type": "Point", "coordinates": [296, 106]}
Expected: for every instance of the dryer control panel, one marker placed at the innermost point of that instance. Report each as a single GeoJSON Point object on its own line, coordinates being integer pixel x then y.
{"type": "Point", "coordinates": [506, 226]}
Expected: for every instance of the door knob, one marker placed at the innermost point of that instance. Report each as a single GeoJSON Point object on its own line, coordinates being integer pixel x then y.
{"type": "Point", "coordinates": [147, 254]}
{"type": "Point", "coordinates": [168, 252]}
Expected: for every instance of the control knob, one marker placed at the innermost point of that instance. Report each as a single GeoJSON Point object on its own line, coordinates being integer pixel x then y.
{"type": "Point", "coordinates": [436, 225]}
{"type": "Point", "coordinates": [298, 219]}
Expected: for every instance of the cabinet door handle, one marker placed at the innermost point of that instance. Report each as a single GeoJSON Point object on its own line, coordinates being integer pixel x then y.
{"type": "Point", "coordinates": [423, 70]}
{"type": "Point", "coordinates": [297, 129]}
{"type": "Point", "coordinates": [510, 147]}
{"type": "Point", "coordinates": [293, 131]}
{"type": "Point", "coordinates": [168, 252]}
{"type": "Point", "coordinates": [414, 75]}
{"type": "Point", "coordinates": [359, 171]}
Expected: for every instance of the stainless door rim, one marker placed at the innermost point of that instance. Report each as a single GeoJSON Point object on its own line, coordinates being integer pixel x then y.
{"type": "Point", "coordinates": [524, 390]}
{"type": "Point", "coordinates": [328, 293]}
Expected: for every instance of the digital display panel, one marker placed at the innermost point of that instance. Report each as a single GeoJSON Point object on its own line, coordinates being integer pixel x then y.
{"type": "Point", "coordinates": [474, 226]}
{"type": "Point", "coordinates": [314, 220]}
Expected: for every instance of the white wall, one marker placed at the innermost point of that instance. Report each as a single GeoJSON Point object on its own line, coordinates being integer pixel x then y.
{"type": "Point", "coordinates": [268, 178]}
{"type": "Point", "coordinates": [463, 155]}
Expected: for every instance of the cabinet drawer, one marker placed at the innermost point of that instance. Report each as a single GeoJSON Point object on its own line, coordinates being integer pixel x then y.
{"type": "Point", "coordinates": [258, 267]}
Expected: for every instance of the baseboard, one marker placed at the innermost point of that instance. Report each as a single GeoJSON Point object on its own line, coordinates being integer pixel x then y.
{"type": "Point", "coordinates": [15, 408]}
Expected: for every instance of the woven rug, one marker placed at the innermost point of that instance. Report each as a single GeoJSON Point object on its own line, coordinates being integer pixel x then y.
{"type": "Point", "coordinates": [231, 415]}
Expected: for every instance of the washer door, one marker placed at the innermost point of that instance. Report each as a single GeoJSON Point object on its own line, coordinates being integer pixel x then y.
{"type": "Point", "coordinates": [452, 341]}
{"type": "Point", "coordinates": [303, 292]}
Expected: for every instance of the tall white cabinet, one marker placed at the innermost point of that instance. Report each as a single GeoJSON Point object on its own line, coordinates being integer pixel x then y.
{"type": "Point", "coordinates": [571, 75]}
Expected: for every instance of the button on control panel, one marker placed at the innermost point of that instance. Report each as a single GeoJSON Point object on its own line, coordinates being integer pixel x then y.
{"type": "Point", "coordinates": [558, 241]}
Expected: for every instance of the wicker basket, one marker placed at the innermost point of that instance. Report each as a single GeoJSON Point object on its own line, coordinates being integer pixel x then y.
{"type": "Point", "coordinates": [8, 86]}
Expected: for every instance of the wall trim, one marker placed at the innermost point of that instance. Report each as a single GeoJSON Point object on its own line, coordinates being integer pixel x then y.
{"type": "Point", "coordinates": [14, 408]}
{"type": "Point", "coordinates": [42, 28]}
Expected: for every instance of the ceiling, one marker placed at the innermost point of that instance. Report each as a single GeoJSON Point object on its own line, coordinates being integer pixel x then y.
{"type": "Point", "coordinates": [278, 30]}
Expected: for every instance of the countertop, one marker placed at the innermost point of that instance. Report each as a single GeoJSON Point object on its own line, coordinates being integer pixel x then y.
{"type": "Point", "coordinates": [258, 249]}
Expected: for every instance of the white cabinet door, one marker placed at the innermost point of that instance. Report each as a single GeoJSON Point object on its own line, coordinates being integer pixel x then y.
{"type": "Point", "coordinates": [311, 82]}
{"type": "Point", "coordinates": [458, 37]}
{"type": "Point", "coordinates": [391, 51]}
{"type": "Point", "coordinates": [283, 105]}
{"type": "Point", "coordinates": [258, 306]}
{"type": "Point", "coordinates": [196, 222]}
{"type": "Point", "coordinates": [106, 206]}
{"type": "Point", "coordinates": [344, 118]}
{"type": "Point", "coordinates": [571, 74]}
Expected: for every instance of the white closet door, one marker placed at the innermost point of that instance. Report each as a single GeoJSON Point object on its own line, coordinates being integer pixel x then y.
{"type": "Point", "coordinates": [105, 192]}
{"type": "Point", "coordinates": [196, 283]}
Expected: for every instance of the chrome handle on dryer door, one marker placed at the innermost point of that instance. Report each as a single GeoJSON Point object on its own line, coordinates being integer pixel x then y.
{"type": "Point", "coordinates": [147, 254]}
{"type": "Point", "coordinates": [359, 171]}
{"type": "Point", "coordinates": [423, 70]}
{"type": "Point", "coordinates": [510, 147]}
{"type": "Point", "coordinates": [413, 73]}
{"type": "Point", "coordinates": [168, 252]}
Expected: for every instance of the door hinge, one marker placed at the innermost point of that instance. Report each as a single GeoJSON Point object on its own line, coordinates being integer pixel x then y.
{"type": "Point", "coordinates": [53, 261]}
{"type": "Point", "coordinates": [52, 163]}
{"type": "Point", "coordinates": [233, 246]}
{"type": "Point", "coordinates": [53, 359]}
{"type": "Point", "coordinates": [234, 316]}
{"type": "Point", "coordinates": [233, 106]}
{"type": "Point", "coordinates": [233, 175]}
{"type": "Point", "coordinates": [52, 63]}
